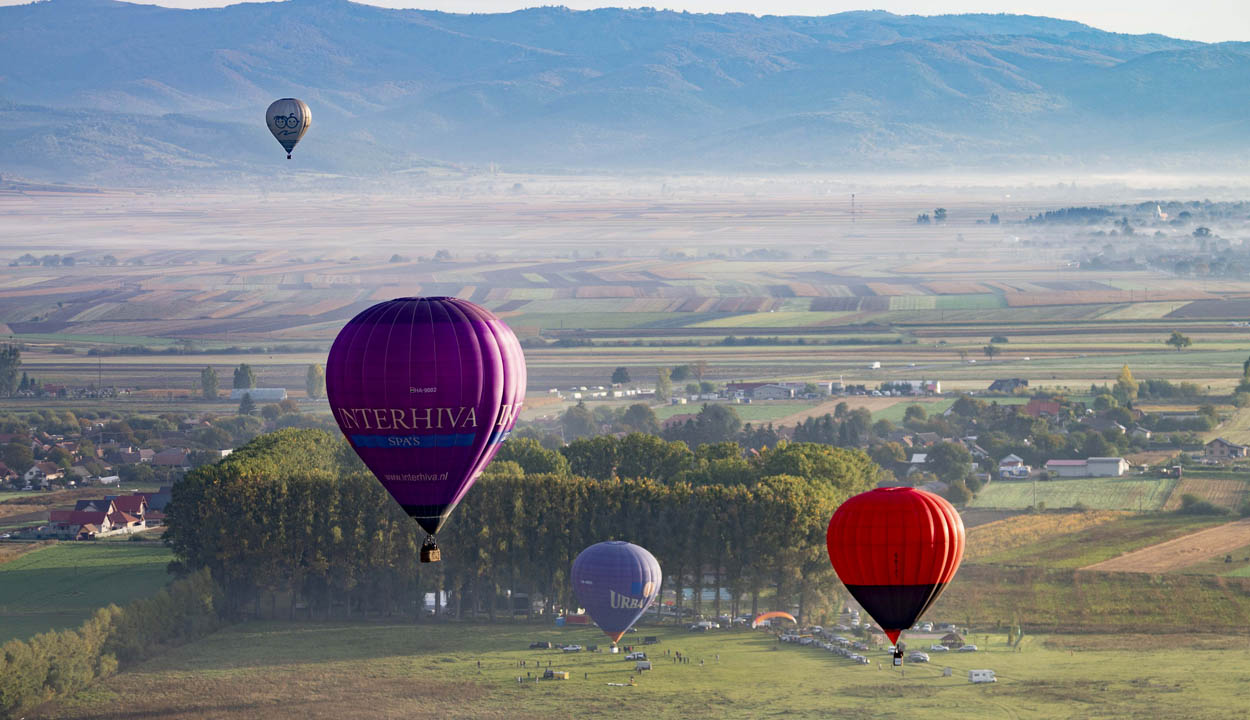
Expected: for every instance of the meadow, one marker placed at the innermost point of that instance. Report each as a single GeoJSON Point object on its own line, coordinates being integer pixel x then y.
{"type": "Point", "coordinates": [389, 670]}
{"type": "Point", "coordinates": [59, 585]}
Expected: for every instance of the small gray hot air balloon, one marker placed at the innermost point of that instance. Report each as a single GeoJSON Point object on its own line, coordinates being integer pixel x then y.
{"type": "Point", "coordinates": [288, 120]}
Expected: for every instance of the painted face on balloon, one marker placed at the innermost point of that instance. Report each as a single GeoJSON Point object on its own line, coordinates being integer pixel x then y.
{"type": "Point", "coordinates": [425, 389]}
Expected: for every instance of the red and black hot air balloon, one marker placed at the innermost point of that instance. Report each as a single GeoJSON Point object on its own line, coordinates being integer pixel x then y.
{"type": "Point", "coordinates": [895, 549]}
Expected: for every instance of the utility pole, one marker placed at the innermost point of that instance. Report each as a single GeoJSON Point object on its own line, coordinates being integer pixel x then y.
{"type": "Point", "coordinates": [852, 207]}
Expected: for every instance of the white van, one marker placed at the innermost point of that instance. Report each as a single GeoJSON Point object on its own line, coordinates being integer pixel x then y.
{"type": "Point", "coordinates": [646, 665]}
{"type": "Point", "coordinates": [981, 676]}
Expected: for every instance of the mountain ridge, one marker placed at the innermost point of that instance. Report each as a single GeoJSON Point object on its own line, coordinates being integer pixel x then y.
{"type": "Point", "coordinates": [553, 88]}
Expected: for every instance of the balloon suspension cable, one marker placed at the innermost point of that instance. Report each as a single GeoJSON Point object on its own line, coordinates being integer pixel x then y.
{"type": "Point", "coordinates": [429, 550]}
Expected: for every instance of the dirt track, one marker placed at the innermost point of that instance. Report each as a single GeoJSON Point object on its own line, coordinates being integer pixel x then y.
{"type": "Point", "coordinates": [1181, 552]}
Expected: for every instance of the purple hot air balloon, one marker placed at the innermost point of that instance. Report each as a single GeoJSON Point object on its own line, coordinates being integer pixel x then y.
{"type": "Point", "coordinates": [616, 582]}
{"type": "Point", "coordinates": [425, 389]}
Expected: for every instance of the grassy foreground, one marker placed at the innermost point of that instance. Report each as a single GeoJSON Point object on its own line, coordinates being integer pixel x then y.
{"type": "Point", "coordinates": [59, 586]}
{"type": "Point", "coordinates": [428, 671]}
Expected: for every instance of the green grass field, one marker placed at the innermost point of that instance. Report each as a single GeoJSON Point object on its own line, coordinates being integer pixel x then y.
{"type": "Point", "coordinates": [59, 586]}
{"type": "Point", "coordinates": [753, 413]}
{"type": "Point", "coordinates": [401, 670]}
{"type": "Point", "coordinates": [1122, 493]}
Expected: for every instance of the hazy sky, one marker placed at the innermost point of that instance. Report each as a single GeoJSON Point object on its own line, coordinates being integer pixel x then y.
{"type": "Point", "coordinates": [1207, 20]}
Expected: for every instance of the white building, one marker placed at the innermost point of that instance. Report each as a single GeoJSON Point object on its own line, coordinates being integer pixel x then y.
{"type": "Point", "coordinates": [772, 392]}
{"type": "Point", "coordinates": [259, 394]}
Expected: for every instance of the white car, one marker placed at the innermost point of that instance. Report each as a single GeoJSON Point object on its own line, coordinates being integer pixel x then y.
{"type": "Point", "coordinates": [917, 657]}
{"type": "Point", "coordinates": [967, 648]}
{"type": "Point", "coordinates": [938, 648]}
{"type": "Point", "coordinates": [572, 648]}
{"type": "Point", "coordinates": [639, 655]}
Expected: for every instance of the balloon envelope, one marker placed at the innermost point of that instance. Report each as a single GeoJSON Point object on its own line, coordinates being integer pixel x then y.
{"type": "Point", "coordinates": [616, 582]}
{"type": "Point", "coordinates": [425, 389]}
{"type": "Point", "coordinates": [288, 120]}
{"type": "Point", "coordinates": [895, 549]}
{"type": "Point", "coordinates": [771, 615]}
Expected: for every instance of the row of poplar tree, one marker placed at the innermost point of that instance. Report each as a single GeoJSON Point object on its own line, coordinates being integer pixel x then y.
{"type": "Point", "coordinates": [294, 525]}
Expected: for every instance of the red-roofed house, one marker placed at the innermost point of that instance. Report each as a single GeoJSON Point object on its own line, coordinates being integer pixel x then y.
{"type": "Point", "coordinates": [172, 457]}
{"type": "Point", "coordinates": [1041, 408]}
{"type": "Point", "coordinates": [135, 505]}
{"type": "Point", "coordinates": [81, 525]}
{"type": "Point", "coordinates": [678, 420]}
{"type": "Point", "coordinates": [125, 522]}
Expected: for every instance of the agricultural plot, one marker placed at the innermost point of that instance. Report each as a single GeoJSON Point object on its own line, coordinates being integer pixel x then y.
{"type": "Point", "coordinates": [1179, 553]}
{"type": "Point", "coordinates": [1100, 542]}
{"type": "Point", "coordinates": [1116, 493]}
{"type": "Point", "coordinates": [402, 670]}
{"type": "Point", "coordinates": [1227, 490]}
{"type": "Point", "coordinates": [59, 586]}
{"type": "Point", "coordinates": [1024, 530]}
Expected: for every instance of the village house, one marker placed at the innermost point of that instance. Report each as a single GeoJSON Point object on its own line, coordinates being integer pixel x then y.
{"type": "Point", "coordinates": [1038, 407]}
{"type": "Point", "coordinates": [1012, 467]}
{"type": "Point", "coordinates": [172, 457]}
{"type": "Point", "coordinates": [42, 473]}
{"type": "Point", "coordinates": [1222, 449]}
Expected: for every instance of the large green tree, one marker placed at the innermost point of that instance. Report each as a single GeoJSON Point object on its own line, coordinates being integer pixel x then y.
{"type": "Point", "coordinates": [315, 381]}
{"type": "Point", "coordinates": [208, 383]}
{"type": "Point", "coordinates": [244, 377]}
{"type": "Point", "coordinates": [10, 362]}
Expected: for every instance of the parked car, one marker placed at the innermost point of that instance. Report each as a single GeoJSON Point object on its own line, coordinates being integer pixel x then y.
{"type": "Point", "coordinates": [651, 640]}
{"type": "Point", "coordinates": [572, 648]}
{"type": "Point", "coordinates": [926, 627]}
{"type": "Point", "coordinates": [642, 665]}
{"type": "Point", "coordinates": [805, 641]}
{"type": "Point", "coordinates": [638, 655]}
{"type": "Point", "coordinates": [938, 648]}
{"type": "Point", "coordinates": [917, 657]}
{"type": "Point", "coordinates": [967, 648]}
{"type": "Point", "coordinates": [541, 645]}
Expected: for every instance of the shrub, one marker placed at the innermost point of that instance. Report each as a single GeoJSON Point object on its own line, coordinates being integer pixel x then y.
{"type": "Point", "coordinates": [1193, 505]}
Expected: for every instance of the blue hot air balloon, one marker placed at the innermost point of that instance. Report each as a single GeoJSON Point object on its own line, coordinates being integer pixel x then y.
{"type": "Point", "coordinates": [616, 582]}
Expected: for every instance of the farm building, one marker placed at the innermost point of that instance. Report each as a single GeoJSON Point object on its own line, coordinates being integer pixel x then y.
{"type": "Point", "coordinates": [952, 640]}
{"type": "Point", "coordinates": [1221, 448]}
{"type": "Point", "coordinates": [1007, 385]}
{"type": "Point", "coordinates": [1090, 467]}
{"type": "Point", "coordinates": [772, 392]}
{"type": "Point", "coordinates": [259, 394]}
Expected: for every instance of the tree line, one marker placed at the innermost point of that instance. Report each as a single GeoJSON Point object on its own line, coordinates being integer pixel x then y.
{"type": "Point", "coordinates": [59, 663]}
{"type": "Point", "coordinates": [292, 525]}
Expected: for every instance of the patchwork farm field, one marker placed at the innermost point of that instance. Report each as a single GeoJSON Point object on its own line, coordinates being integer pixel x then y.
{"type": "Point", "coordinates": [60, 585]}
{"type": "Point", "coordinates": [1092, 544]}
{"type": "Point", "coordinates": [432, 671]}
{"type": "Point", "coordinates": [1114, 493]}
{"type": "Point", "coordinates": [628, 270]}
{"type": "Point", "coordinates": [1182, 552]}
